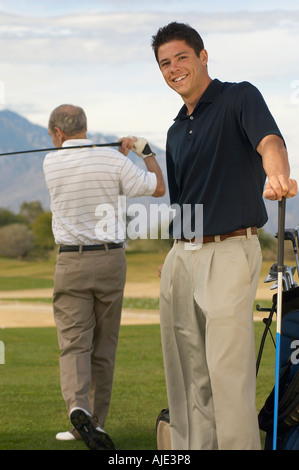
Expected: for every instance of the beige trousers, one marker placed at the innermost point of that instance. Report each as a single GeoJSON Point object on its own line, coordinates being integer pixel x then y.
{"type": "Point", "coordinates": [88, 294]}
{"type": "Point", "coordinates": [206, 305]}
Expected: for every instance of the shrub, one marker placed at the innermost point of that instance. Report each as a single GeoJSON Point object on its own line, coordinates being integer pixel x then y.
{"type": "Point", "coordinates": [16, 240]}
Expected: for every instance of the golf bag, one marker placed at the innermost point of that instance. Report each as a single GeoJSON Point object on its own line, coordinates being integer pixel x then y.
{"type": "Point", "coordinates": [288, 405]}
{"type": "Point", "coordinates": [288, 409]}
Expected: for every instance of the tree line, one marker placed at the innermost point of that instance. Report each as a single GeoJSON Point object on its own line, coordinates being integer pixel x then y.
{"type": "Point", "coordinates": [27, 233]}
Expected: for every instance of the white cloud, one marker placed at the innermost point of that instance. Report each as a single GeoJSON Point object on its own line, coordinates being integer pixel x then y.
{"type": "Point", "coordinates": [103, 61]}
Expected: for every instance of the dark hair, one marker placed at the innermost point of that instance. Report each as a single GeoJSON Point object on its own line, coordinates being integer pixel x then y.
{"type": "Point", "coordinates": [177, 31]}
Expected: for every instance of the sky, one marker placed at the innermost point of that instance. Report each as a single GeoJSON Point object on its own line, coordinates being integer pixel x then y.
{"type": "Point", "coordinates": [97, 54]}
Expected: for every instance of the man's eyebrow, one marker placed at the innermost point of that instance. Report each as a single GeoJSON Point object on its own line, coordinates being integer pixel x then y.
{"type": "Point", "coordinates": [166, 59]}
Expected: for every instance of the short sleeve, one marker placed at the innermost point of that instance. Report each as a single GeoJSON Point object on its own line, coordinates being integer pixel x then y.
{"type": "Point", "coordinates": [256, 118]}
{"type": "Point", "coordinates": [136, 182]}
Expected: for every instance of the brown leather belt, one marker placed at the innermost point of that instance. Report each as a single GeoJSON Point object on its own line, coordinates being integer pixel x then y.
{"type": "Point", "coordinates": [215, 238]}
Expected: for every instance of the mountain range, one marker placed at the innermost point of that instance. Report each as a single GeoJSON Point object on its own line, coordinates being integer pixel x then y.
{"type": "Point", "coordinates": [22, 179]}
{"type": "Point", "coordinates": [21, 176]}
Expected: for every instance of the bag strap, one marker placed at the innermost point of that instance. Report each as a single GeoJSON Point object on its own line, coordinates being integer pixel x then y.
{"type": "Point", "coordinates": [267, 322]}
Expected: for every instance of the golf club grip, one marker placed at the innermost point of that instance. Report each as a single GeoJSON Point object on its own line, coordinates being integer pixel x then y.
{"type": "Point", "coordinates": [281, 222]}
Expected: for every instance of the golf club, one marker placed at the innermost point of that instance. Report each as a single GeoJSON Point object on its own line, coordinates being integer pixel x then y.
{"type": "Point", "coordinates": [112, 144]}
{"type": "Point", "coordinates": [280, 259]}
{"type": "Point", "coordinates": [288, 277]}
{"type": "Point", "coordinates": [297, 234]}
{"type": "Point", "coordinates": [290, 234]}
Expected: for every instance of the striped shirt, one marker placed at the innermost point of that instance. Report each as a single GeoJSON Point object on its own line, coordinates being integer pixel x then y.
{"type": "Point", "coordinates": [85, 186]}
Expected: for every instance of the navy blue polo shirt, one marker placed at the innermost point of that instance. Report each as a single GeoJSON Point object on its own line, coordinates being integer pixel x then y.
{"type": "Point", "coordinates": [212, 159]}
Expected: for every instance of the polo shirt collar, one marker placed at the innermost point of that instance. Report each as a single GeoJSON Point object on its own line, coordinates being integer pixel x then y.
{"type": "Point", "coordinates": [211, 93]}
{"type": "Point", "coordinates": [75, 142]}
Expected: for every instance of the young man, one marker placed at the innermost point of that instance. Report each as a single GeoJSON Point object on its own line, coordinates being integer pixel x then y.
{"type": "Point", "coordinates": [222, 145]}
{"type": "Point", "coordinates": [90, 269]}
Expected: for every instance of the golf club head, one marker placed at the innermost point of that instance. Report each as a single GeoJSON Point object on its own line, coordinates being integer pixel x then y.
{"type": "Point", "coordinates": [272, 272]}
{"type": "Point", "coordinates": [272, 276]}
{"type": "Point", "coordinates": [288, 279]}
{"type": "Point", "coordinates": [289, 234]}
{"type": "Point", "coordinates": [289, 274]}
{"type": "Point", "coordinates": [292, 234]}
{"type": "Point", "coordinates": [285, 284]}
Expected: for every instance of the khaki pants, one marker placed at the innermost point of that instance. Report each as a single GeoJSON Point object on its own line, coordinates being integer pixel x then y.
{"type": "Point", "coordinates": [88, 294]}
{"type": "Point", "coordinates": [208, 346]}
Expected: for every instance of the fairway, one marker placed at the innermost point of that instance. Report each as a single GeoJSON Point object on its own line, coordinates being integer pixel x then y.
{"type": "Point", "coordinates": [31, 400]}
{"type": "Point", "coordinates": [32, 407]}
{"type": "Point", "coordinates": [30, 387]}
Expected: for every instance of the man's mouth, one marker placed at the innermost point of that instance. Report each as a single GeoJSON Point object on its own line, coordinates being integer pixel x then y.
{"type": "Point", "coordinates": [179, 79]}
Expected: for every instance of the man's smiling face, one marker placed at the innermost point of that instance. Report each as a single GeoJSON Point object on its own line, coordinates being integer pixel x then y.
{"type": "Point", "coordinates": [183, 70]}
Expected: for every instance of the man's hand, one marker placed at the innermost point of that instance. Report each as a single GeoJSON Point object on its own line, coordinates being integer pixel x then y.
{"type": "Point", "coordinates": [276, 165]}
{"type": "Point", "coordinates": [141, 147]}
{"type": "Point", "coordinates": [126, 144]}
{"type": "Point", "coordinates": [280, 186]}
{"type": "Point", "coordinates": [138, 145]}
{"type": "Point", "coordinates": [160, 270]}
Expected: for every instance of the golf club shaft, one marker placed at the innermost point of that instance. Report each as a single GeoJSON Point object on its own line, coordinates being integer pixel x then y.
{"type": "Point", "coordinates": [280, 260]}
{"type": "Point", "coordinates": [297, 263]}
{"type": "Point", "coordinates": [112, 144]}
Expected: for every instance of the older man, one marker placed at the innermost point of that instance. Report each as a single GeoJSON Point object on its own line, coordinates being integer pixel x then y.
{"type": "Point", "coordinates": [90, 270]}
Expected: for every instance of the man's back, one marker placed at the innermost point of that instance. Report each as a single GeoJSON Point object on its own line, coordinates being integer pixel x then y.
{"type": "Point", "coordinates": [85, 184]}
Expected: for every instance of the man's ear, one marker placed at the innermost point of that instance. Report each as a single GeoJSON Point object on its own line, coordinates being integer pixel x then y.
{"type": "Point", "coordinates": [204, 57]}
{"type": "Point", "coordinates": [59, 135]}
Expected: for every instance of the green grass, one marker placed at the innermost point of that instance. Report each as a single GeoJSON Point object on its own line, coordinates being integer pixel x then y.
{"type": "Point", "coordinates": [21, 268]}
{"type": "Point", "coordinates": [141, 303]}
{"type": "Point", "coordinates": [142, 267]}
{"type": "Point", "coordinates": [20, 283]}
{"type": "Point", "coordinates": [33, 411]}
{"type": "Point", "coordinates": [129, 302]}
{"type": "Point", "coordinates": [17, 274]}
